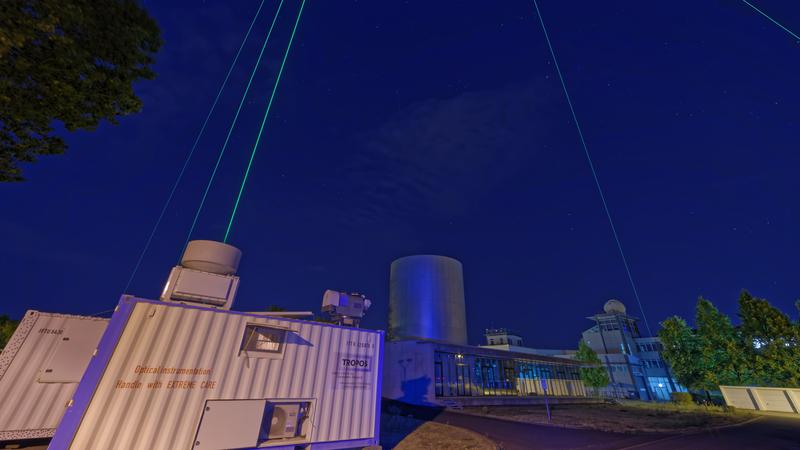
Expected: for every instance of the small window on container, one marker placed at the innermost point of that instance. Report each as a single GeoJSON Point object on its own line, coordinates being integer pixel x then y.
{"type": "Point", "coordinates": [263, 340]}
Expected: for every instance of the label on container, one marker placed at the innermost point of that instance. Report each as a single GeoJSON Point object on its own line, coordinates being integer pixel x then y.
{"type": "Point", "coordinates": [353, 371]}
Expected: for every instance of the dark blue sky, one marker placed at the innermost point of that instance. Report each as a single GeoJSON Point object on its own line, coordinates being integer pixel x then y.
{"type": "Point", "coordinates": [440, 127]}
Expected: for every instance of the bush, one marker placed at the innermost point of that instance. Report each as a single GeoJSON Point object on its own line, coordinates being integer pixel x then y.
{"type": "Point", "coordinates": [681, 398]}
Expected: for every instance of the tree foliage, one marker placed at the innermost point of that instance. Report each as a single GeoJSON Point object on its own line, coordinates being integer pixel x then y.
{"type": "Point", "coordinates": [69, 63]}
{"type": "Point", "coordinates": [682, 351]}
{"type": "Point", "coordinates": [7, 327]}
{"type": "Point", "coordinates": [593, 374]}
{"type": "Point", "coordinates": [723, 357]}
{"type": "Point", "coordinates": [763, 350]}
{"type": "Point", "coordinates": [774, 342]}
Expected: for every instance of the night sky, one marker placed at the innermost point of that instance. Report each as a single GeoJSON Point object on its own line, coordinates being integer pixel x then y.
{"type": "Point", "coordinates": [440, 127]}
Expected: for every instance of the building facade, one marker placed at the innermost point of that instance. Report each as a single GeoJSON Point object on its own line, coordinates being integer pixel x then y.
{"type": "Point", "coordinates": [424, 372]}
{"type": "Point", "coordinates": [428, 362]}
{"type": "Point", "coordinates": [634, 362]}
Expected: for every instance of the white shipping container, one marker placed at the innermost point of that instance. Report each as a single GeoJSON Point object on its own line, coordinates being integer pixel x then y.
{"type": "Point", "coordinates": [172, 376]}
{"type": "Point", "coordinates": [40, 368]}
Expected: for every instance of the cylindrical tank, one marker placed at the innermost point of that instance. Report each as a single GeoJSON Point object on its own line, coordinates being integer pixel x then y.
{"type": "Point", "coordinates": [211, 256]}
{"type": "Point", "coordinates": [426, 299]}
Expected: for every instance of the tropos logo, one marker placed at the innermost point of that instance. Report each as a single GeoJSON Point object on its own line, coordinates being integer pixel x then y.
{"type": "Point", "coordinates": [348, 362]}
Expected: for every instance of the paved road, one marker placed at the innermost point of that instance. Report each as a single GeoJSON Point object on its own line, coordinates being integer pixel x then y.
{"type": "Point", "coordinates": [773, 433]}
{"type": "Point", "coordinates": [768, 433]}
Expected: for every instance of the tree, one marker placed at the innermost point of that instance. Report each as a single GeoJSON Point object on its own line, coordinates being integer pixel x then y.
{"type": "Point", "coordinates": [682, 352]}
{"type": "Point", "coordinates": [773, 341]}
{"type": "Point", "coordinates": [763, 350]}
{"type": "Point", "coordinates": [7, 327]}
{"type": "Point", "coordinates": [593, 374]}
{"type": "Point", "coordinates": [724, 358]}
{"type": "Point", "coordinates": [797, 324]}
{"type": "Point", "coordinates": [70, 63]}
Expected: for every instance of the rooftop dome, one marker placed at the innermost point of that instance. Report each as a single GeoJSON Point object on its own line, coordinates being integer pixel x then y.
{"type": "Point", "coordinates": [614, 306]}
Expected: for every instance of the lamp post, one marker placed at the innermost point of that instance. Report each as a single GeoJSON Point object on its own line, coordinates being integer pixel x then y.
{"type": "Point", "coordinates": [546, 403]}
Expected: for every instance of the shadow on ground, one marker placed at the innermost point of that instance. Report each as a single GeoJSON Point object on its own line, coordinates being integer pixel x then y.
{"type": "Point", "coordinates": [399, 420]}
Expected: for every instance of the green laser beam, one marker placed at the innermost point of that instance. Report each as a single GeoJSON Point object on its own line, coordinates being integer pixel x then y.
{"type": "Point", "coordinates": [591, 165]}
{"type": "Point", "coordinates": [194, 147]}
{"type": "Point", "coordinates": [233, 125]}
{"type": "Point", "coordinates": [263, 123]}
{"type": "Point", "coordinates": [772, 20]}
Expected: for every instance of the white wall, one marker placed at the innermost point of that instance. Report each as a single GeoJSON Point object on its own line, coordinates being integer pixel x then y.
{"type": "Point", "coordinates": [762, 398]}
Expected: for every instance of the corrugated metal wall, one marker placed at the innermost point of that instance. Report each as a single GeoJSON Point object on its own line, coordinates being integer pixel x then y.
{"type": "Point", "coordinates": [160, 335]}
{"type": "Point", "coordinates": [32, 409]}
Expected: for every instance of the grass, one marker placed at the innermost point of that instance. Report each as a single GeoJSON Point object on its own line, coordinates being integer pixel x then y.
{"type": "Point", "coordinates": [438, 436]}
{"type": "Point", "coordinates": [625, 416]}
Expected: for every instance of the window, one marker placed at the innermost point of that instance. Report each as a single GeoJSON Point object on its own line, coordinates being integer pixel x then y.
{"type": "Point", "coordinates": [660, 387]}
{"type": "Point", "coordinates": [457, 375]}
{"type": "Point", "coordinates": [653, 363]}
{"type": "Point", "coordinates": [438, 375]}
{"type": "Point", "coordinates": [263, 340]}
{"type": "Point", "coordinates": [609, 326]}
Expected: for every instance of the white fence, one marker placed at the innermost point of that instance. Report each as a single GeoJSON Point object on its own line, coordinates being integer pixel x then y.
{"type": "Point", "coordinates": [762, 398]}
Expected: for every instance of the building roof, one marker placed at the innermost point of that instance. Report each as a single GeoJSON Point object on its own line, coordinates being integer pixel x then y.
{"type": "Point", "coordinates": [501, 332]}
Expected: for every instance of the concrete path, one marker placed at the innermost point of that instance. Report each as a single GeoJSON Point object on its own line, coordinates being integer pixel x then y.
{"type": "Point", "coordinates": [768, 433]}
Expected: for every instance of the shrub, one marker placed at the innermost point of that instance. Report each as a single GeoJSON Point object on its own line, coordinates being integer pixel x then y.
{"type": "Point", "coordinates": [681, 398]}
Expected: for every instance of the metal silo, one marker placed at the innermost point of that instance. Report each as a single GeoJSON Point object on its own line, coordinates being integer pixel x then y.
{"type": "Point", "coordinates": [426, 299]}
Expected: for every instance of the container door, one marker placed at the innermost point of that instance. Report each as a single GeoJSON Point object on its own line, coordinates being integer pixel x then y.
{"type": "Point", "coordinates": [72, 352]}
{"type": "Point", "coordinates": [230, 424]}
